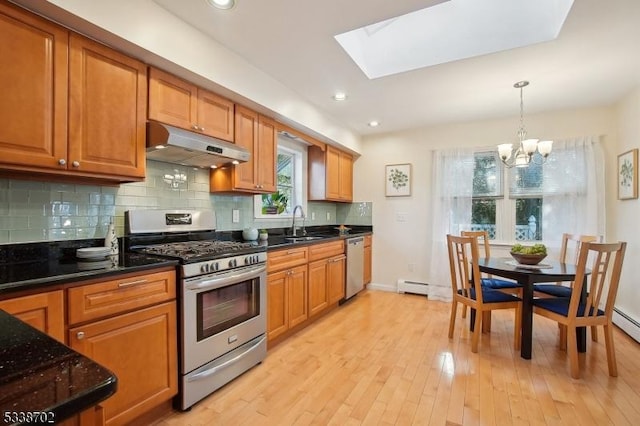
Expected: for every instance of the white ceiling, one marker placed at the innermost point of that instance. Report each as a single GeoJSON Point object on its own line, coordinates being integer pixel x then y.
{"type": "Point", "coordinates": [594, 61]}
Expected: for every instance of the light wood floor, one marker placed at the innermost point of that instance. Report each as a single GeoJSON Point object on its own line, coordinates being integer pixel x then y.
{"type": "Point", "coordinates": [385, 358]}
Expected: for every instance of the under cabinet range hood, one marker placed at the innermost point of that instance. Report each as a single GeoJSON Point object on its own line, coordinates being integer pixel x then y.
{"type": "Point", "coordinates": [178, 146]}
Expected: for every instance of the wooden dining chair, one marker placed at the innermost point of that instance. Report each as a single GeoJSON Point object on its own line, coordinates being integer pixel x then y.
{"type": "Point", "coordinates": [468, 290]}
{"type": "Point", "coordinates": [484, 249]}
{"type": "Point", "coordinates": [597, 308]}
{"type": "Point", "coordinates": [569, 253]}
{"type": "Point", "coordinates": [571, 243]}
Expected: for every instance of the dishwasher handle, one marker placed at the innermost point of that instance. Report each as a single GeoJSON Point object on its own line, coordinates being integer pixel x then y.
{"type": "Point", "coordinates": [356, 240]}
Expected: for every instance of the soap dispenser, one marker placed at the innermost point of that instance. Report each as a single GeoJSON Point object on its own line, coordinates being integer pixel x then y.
{"type": "Point", "coordinates": [111, 240]}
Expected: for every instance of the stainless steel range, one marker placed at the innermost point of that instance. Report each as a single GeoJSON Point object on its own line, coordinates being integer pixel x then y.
{"type": "Point", "coordinates": [222, 296]}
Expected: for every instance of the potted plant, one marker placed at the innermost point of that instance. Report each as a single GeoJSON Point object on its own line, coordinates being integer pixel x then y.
{"type": "Point", "coordinates": [263, 235]}
{"type": "Point", "coordinates": [274, 203]}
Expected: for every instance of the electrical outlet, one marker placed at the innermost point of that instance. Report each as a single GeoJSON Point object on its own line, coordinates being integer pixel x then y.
{"type": "Point", "coordinates": [313, 215]}
{"type": "Point", "coordinates": [401, 217]}
{"type": "Point", "coordinates": [235, 216]}
{"type": "Point", "coordinates": [328, 216]}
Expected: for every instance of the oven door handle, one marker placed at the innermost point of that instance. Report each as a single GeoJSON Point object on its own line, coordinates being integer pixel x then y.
{"type": "Point", "coordinates": [209, 372]}
{"type": "Point", "coordinates": [224, 279]}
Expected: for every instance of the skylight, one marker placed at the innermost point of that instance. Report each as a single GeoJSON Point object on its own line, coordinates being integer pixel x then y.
{"type": "Point", "coordinates": [450, 31]}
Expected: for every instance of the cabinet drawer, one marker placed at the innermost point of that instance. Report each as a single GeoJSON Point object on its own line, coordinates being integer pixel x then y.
{"type": "Point", "coordinates": [321, 251]}
{"type": "Point", "coordinates": [111, 297]}
{"type": "Point", "coordinates": [282, 259]}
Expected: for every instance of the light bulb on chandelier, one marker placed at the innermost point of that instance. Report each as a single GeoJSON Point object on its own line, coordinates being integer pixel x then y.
{"type": "Point", "coordinates": [523, 155]}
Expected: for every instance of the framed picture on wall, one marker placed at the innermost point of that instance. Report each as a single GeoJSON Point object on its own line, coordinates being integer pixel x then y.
{"type": "Point", "coordinates": [628, 175]}
{"type": "Point", "coordinates": [398, 180]}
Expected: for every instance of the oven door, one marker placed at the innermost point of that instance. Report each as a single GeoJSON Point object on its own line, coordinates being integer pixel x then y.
{"type": "Point", "coordinates": [221, 312]}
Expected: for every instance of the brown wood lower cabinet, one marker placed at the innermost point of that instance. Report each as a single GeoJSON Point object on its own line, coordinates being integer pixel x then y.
{"type": "Point", "coordinates": [43, 311]}
{"type": "Point", "coordinates": [326, 283]}
{"type": "Point", "coordinates": [368, 254]}
{"type": "Point", "coordinates": [286, 300]}
{"type": "Point", "coordinates": [141, 349]}
{"type": "Point", "coordinates": [128, 325]}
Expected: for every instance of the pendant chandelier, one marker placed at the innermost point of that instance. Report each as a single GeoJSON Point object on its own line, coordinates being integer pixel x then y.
{"type": "Point", "coordinates": [522, 156]}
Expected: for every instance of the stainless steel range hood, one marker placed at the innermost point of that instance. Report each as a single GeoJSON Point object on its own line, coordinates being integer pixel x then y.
{"type": "Point", "coordinates": [177, 146]}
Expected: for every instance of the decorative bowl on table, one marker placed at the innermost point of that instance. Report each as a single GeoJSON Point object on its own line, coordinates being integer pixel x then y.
{"type": "Point", "coordinates": [528, 259]}
{"type": "Point", "coordinates": [531, 255]}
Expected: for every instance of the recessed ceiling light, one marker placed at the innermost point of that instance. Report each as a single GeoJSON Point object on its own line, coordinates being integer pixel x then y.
{"type": "Point", "coordinates": [374, 123]}
{"type": "Point", "coordinates": [339, 96]}
{"type": "Point", "coordinates": [222, 4]}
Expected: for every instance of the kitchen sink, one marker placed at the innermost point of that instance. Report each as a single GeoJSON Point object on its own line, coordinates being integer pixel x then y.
{"type": "Point", "coordinates": [302, 238]}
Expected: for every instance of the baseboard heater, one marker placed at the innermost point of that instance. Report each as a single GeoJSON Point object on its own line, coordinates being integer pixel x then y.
{"type": "Point", "coordinates": [627, 324]}
{"type": "Point", "coordinates": [415, 287]}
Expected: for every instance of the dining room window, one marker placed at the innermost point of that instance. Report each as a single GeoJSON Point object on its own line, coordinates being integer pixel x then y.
{"type": "Point", "coordinates": [522, 203]}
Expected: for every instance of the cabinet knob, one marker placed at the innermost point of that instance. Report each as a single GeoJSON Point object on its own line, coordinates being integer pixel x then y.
{"type": "Point", "coordinates": [62, 161]}
{"type": "Point", "coordinates": [195, 127]}
{"type": "Point", "coordinates": [76, 164]}
{"type": "Point", "coordinates": [80, 335]}
{"type": "Point", "coordinates": [202, 129]}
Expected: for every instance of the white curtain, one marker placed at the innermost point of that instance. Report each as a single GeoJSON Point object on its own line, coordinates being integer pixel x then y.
{"type": "Point", "coordinates": [453, 190]}
{"type": "Point", "coordinates": [573, 190]}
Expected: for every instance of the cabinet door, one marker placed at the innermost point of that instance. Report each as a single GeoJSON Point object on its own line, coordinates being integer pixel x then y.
{"type": "Point", "coordinates": [367, 264]}
{"type": "Point", "coordinates": [43, 311]}
{"type": "Point", "coordinates": [33, 99]}
{"type": "Point", "coordinates": [267, 152]}
{"type": "Point", "coordinates": [141, 349]}
{"type": "Point", "coordinates": [318, 296]}
{"type": "Point", "coordinates": [171, 100]}
{"type": "Point", "coordinates": [215, 115]}
{"type": "Point", "coordinates": [246, 128]}
{"type": "Point", "coordinates": [332, 174]}
{"type": "Point", "coordinates": [277, 299]}
{"type": "Point", "coordinates": [336, 268]}
{"type": "Point", "coordinates": [346, 177]}
{"type": "Point", "coordinates": [297, 289]}
{"type": "Point", "coordinates": [107, 110]}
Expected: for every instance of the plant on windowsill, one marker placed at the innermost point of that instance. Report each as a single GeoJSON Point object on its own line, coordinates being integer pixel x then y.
{"type": "Point", "coordinates": [274, 203]}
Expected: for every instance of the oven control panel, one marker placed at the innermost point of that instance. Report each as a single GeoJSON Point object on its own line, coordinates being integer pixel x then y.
{"type": "Point", "coordinates": [223, 264]}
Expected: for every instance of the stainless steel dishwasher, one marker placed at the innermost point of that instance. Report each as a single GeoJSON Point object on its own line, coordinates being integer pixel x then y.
{"type": "Point", "coordinates": [355, 266]}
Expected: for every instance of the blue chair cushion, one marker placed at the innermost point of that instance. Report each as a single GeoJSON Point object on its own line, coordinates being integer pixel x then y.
{"type": "Point", "coordinates": [496, 284]}
{"type": "Point", "coordinates": [493, 296]}
{"type": "Point", "coordinates": [553, 290]}
{"type": "Point", "coordinates": [561, 306]}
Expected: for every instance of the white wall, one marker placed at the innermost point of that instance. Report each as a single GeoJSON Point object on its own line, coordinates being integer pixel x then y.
{"type": "Point", "coordinates": [624, 215]}
{"type": "Point", "coordinates": [398, 245]}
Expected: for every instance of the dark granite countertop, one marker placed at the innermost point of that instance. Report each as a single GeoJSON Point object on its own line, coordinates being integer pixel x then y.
{"type": "Point", "coordinates": [39, 374]}
{"type": "Point", "coordinates": [278, 240]}
{"type": "Point", "coordinates": [33, 265]}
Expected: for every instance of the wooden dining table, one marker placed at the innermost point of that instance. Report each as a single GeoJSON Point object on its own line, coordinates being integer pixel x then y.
{"type": "Point", "coordinates": [549, 271]}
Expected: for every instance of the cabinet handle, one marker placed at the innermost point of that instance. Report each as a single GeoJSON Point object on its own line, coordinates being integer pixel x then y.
{"type": "Point", "coordinates": [131, 283]}
{"type": "Point", "coordinates": [80, 335]}
{"type": "Point", "coordinates": [62, 161]}
{"type": "Point", "coordinates": [76, 164]}
{"type": "Point", "coordinates": [195, 127]}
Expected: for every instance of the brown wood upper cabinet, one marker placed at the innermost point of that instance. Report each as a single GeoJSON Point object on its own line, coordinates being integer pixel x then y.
{"type": "Point", "coordinates": [257, 134]}
{"type": "Point", "coordinates": [330, 175]}
{"type": "Point", "coordinates": [70, 107]}
{"type": "Point", "coordinates": [179, 103]}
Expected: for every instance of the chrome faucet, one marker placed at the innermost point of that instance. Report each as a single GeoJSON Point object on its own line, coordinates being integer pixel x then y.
{"type": "Point", "coordinates": [293, 222]}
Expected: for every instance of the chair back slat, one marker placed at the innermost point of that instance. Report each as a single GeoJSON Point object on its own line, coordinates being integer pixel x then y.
{"type": "Point", "coordinates": [602, 282]}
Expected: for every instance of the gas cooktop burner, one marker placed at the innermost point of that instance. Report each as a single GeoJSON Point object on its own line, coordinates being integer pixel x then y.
{"type": "Point", "coordinates": [189, 250]}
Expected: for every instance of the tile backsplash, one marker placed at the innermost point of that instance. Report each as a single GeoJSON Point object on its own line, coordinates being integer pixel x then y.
{"type": "Point", "coordinates": [42, 211]}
